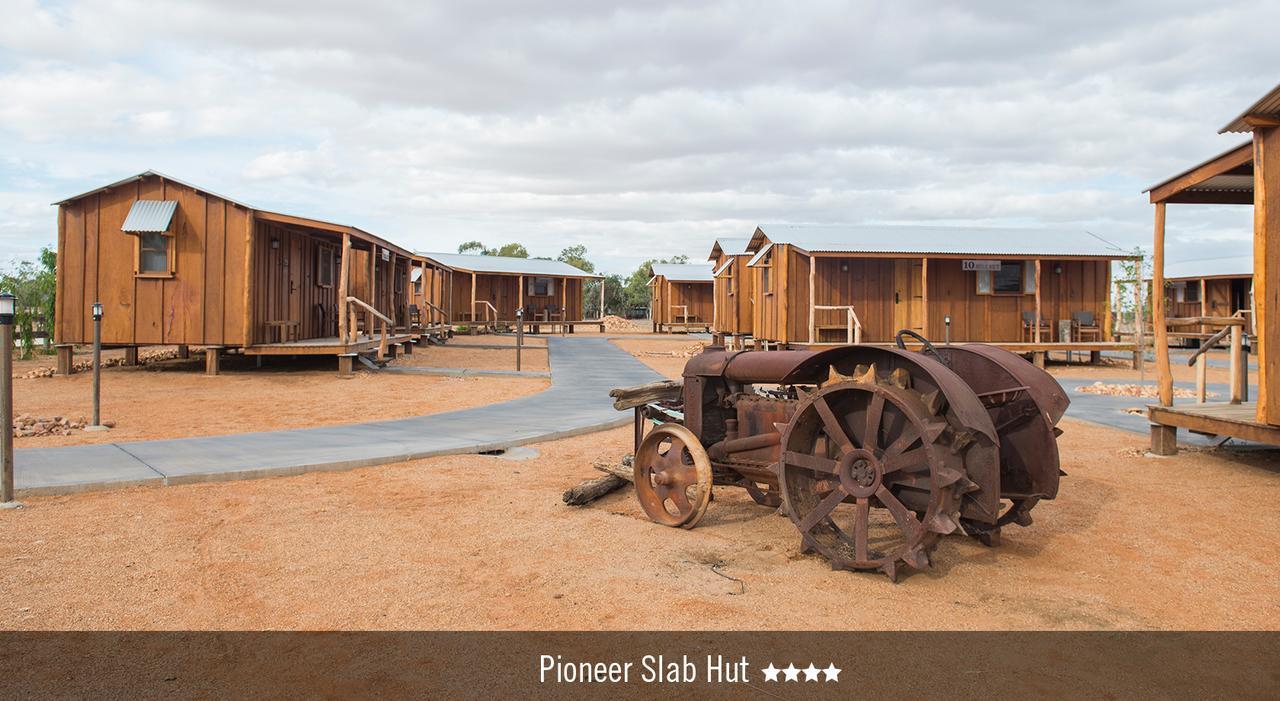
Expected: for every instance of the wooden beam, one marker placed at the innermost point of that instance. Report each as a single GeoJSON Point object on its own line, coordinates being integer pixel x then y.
{"type": "Point", "coordinates": [1217, 166]}
{"type": "Point", "coordinates": [813, 300]}
{"type": "Point", "coordinates": [520, 294]}
{"type": "Point", "coordinates": [924, 296]}
{"type": "Point", "coordinates": [250, 222]}
{"type": "Point", "coordinates": [1261, 121]}
{"type": "Point", "coordinates": [1108, 324]}
{"type": "Point", "coordinates": [601, 298]}
{"type": "Point", "coordinates": [344, 280]}
{"type": "Point", "coordinates": [1165, 374]}
{"type": "Point", "coordinates": [1036, 331]}
{"type": "Point", "coordinates": [473, 296]}
{"type": "Point", "coordinates": [1266, 270]}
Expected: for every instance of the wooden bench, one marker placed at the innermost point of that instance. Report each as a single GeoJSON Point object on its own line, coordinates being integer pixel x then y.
{"type": "Point", "coordinates": [282, 331]}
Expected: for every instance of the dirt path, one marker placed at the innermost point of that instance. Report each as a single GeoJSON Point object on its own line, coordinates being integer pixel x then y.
{"type": "Point", "coordinates": [480, 542]}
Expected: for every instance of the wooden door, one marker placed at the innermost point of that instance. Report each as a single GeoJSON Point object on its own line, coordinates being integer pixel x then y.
{"type": "Point", "coordinates": [908, 295]}
{"type": "Point", "coordinates": [295, 262]}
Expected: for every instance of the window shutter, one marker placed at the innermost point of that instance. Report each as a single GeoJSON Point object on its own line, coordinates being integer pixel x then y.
{"type": "Point", "coordinates": [1029, 277]}
{"type": "Point", "coordinates": [984, 282]}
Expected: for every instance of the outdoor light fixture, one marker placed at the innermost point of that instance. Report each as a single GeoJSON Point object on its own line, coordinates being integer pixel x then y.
{"type": "Point", "coordinates": [275, 243]}
{"type": "Point", "coordinates": [1057, 270]}
{"type": "Point", "coordinates": [97, 311]}
{"type": "Point", "coordinates": [8, 303]}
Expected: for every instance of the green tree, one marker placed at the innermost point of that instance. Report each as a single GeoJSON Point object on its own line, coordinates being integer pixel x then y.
{"type": "Point", "coordinates": [577, 257]}
{"type": "Point", "coordinates": [511, 250]}
{"type": "Point", "coordinates": [635, 292]}
{"type": "Point", "coordinates": [34, 284]}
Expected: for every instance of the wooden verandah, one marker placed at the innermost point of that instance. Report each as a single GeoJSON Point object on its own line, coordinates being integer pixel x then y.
{"type": "Point", "coordinates": [1246, 175]}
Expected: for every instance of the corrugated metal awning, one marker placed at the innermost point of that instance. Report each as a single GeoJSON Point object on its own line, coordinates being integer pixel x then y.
{"type": "Point", "coordinates": [1268, 106]}
{"type": "Point", "coordinates": [149, 216]}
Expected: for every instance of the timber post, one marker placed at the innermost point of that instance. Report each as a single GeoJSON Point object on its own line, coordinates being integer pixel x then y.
{"type": "Point", "coordinates": [1164, 440]}
{"type": "Point", "coordinates": [212, 363]}
{"type": "Point", "coordinates": [1165, 379]}
{"type": "Point", "coordinates": [66, 352]}
{"type": "Point", "coordinates": [346, 364]}
{"type": "Point", "coordinates": [1036, 333]}
{"type": "Point", "coordinates": [344, 277]}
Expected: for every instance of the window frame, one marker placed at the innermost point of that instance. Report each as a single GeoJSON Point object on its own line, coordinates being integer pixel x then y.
{"type": "Point", "coordinates": [766, 274]}
{"type": "Point", "coordinates": [985, 280]}
{"type": "Point", "coordinates": [171, 257]}
{"type": "Point", "coordinates": [331, 268]}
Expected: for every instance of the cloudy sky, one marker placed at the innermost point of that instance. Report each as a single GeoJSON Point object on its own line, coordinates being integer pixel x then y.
{"type": "Point", "coordinates": [639, 129]}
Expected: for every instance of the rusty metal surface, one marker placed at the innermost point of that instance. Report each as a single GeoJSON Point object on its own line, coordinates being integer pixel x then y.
{"type": "Point", "coordinates": [873, 452]}
{"type": "Point", "coordinates": [1025, 404]}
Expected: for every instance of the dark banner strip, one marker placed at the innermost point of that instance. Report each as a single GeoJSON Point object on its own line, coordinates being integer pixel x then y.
{"type": "Point", "coordinates": [641, 665]}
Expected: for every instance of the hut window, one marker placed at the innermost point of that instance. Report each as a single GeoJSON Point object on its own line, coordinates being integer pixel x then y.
{"type": "Point", "coordinates": [541, 287]}
{"type": "Point", "coordinates": [729, 277]}
{"type": "Point", "coordinates": [154, 250]}
{"type": "Point", "coordinates": [1192, 293]}
{"type": "Point", "coordinates": [324, 267]}
{"type": "Point", "coordinates": [766, 276]}
{"type": "Point", "coordinates": [1008, 279]}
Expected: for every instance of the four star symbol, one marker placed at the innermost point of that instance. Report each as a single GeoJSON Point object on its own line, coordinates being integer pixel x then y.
{"type": "Point", "coordinates": [792, 674]}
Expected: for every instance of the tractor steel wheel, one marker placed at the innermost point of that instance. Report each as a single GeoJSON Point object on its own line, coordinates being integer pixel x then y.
{"type": "Point", "coordinates": [869, 476]}
{"type": "Point", "coordinates": [672, 476]}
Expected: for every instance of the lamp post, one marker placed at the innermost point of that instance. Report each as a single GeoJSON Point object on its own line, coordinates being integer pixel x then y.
{"type": "Point", "coordinates": [7, 306]}
{"type": "Point", "coordinates": [947, 321]}
{"type": "Point", "coordinates": [519, 336]}
{"type": "Point", "coordinates": [97, 370]}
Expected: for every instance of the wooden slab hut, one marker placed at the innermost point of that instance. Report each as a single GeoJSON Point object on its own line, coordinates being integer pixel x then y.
{"type": "Point", "coordinates": [175, 264]}
{"type": "Point", "coordinates": [1027, 290]}
{"type": "Point", "coordinates": [731, 320]}
{"type": "Point", "coordinates": [487, 291]}
{"type": "Point", "coordinates": [682, 297]}
{"type": "Point", "coordinates": [1248, 174]}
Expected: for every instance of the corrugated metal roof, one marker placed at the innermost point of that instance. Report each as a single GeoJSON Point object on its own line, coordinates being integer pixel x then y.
{"type": "Point", "coordinates": [146, 174]}
{"type": "Point", "coordinates": [731, 246]}
{"type": "Point", "coordinates": [941, 240]}
{"type": "Point", "coordinates": [1226, 266]}
{"type": "Point", "coordinates": [1268, 106]}
{"type": "Point", "coordinates": [146, 216]}
{"type": "Point", "coordinates": [503, 265]}
{"type": "Point", "coordinates": [683, 272]}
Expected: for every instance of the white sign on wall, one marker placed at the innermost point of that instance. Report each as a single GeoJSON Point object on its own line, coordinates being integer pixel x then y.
{"type": "Point", "coordinates": [989, 266]}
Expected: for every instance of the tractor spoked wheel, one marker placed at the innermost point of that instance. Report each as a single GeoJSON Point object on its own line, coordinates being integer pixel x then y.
{"type": "Point", "coordinates": [672, 476]}
{"type": "Point", "coordinates": [869, 476]}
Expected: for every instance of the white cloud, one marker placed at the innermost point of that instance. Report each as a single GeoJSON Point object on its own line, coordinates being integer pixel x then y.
{"type": "Point", "coordinates": [637, 128]}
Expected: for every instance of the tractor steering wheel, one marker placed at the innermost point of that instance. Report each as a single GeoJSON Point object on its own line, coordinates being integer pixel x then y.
{"type": "Point", "coordinates": [928, 347]}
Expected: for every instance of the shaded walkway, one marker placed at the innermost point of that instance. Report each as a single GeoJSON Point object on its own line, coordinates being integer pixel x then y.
{"type": "Point", "coordinates": [583, 370]}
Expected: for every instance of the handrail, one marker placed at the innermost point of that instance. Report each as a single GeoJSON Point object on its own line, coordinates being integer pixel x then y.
{"type": "Point", "coordinates": [685, 316]}
{"type": "Point", "coordinates": [489, 318]}
{"type": "Point", "coordinates": [1239, 370]}
{"type": "Point", "coordinates": [353, 302]}
{"type": "Point", "coordinates": [854, 324]}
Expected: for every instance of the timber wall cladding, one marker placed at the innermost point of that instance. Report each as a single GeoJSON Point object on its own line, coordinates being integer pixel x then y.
{"type": "Point", "coordinates": [202, 304]}
{"type": "Point", "coordinates": [733, 310]}
{"type": "Point", "coordinates": [285, 283]}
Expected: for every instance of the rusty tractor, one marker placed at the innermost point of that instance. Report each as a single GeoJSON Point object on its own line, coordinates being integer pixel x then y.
{"type": "Point", "coordinates": [873, 452]}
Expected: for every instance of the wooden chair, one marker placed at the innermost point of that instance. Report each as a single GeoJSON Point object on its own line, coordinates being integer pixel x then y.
{"type": "Point", "coordinates": [1029, 328]}
{"type": "Point", "coordinates": [1085, 326]}
{"type": "Point", "coordinates": [415, 316]}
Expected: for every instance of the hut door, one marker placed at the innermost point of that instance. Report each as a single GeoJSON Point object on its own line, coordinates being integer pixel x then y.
{"type": "Point", "coordinates": [295, 269]}
{"type": "Point", "coordinates": [908, 295]}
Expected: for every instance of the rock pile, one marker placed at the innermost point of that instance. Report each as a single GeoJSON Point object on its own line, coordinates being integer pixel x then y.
{"type": "Point", "coordinates": [144, 357]}
{"type": "Point", "coordinates": [26, 426]}
{"type": "Point", "coordinates": [1135, 390]}
{"type": "Point", "coordinates": [613, 322]}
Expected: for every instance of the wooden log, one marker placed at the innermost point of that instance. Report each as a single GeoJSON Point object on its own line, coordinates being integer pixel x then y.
{"type": "Point", "coordinates": [631, 397]}
{"type": "Point", "coordinates": [623, 470]}
{"type": "Point", "coordinates": [588, 491]}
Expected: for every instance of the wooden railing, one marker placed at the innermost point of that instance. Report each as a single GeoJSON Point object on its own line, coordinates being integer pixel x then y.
{"type": "Point", "coordinates": [853, 324]}
{"type": "Point", "coordinates": [490, 312]}
{"type": "Point", "coordinates": [682, 316]}
{"type": "Point", "coordinates": [444, 316]}
{"type": "Point", "coordinates": [354, 333]}
{"type": "Point", "coordinates": [1239, 367]}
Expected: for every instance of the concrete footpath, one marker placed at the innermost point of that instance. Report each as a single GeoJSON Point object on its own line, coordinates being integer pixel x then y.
{"type": "Point", "coordinates": [1113, 411]}
{"type": "Point", "coordinates": [583, 370]}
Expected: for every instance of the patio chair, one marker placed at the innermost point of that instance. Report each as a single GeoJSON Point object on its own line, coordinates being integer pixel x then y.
{"type": "Point", "coordinates": [1029, 328]}
{"type": "Point", "coordinates": [1086, 326]}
